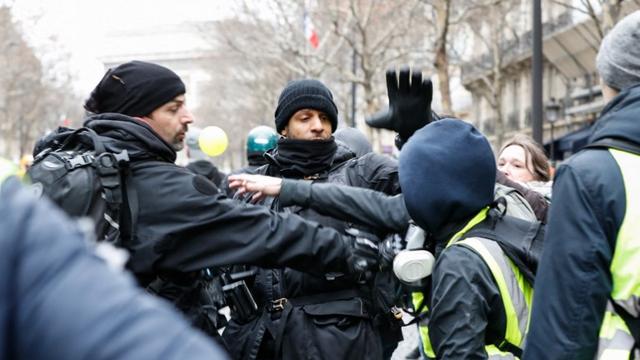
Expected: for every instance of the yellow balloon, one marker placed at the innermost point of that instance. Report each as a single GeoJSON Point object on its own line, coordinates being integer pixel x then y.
{"type": "Point", "coordinates": [213, 141]}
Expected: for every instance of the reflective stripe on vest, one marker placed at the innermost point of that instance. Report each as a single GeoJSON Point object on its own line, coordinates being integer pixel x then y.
{"type": "Point", "coordinates": [516, 293]}
{"type": "Point", "coordinates": [423, 326]}
{"type": "Point", "coordinates": [616, 341]}
{"type": "Point", "coordinates": [494, 353]}
{"type": "Point", "coordinates": [624, 266]}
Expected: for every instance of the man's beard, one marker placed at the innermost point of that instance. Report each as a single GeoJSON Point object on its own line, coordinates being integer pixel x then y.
{"type": "Point", "coordinates": [177, 143]}
{"type": "Point", "coordinates": [177, 146]}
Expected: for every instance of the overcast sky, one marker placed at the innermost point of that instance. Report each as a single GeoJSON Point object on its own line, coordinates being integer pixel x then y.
{"type": "Point", "coordinates": [81, 26]}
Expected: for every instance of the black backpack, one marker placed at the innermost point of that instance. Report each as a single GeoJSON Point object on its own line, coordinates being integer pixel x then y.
{"type": "Point", "coordinates": [74, 169]}
{"type": "Point", "coordinates": [521, 241]}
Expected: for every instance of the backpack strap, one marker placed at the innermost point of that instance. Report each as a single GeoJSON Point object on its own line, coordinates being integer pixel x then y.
{"type": "Point", "coordinates": [516, 238]}
{"type": "Point", "coordinates": [112, 170]}
{"type": "Point", "coordinates": [615, 143]}
{"type": "Point", "coordinates": [130, 212]}
{"type": "Point", "coordinates": [98, 145]}
{"type": "Point", "coordinates": [109, 171]}
{"type": "Point", "coordinates": [632, 323]}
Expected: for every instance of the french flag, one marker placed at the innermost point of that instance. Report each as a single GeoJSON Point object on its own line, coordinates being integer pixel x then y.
{"type": "Point", "coordinates": [310, 32]}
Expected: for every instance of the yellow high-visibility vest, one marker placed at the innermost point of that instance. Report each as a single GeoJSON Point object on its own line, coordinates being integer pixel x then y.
{"type": "Point", "coordinates": [515, 291]}
{"type": "Point", "coordinates": [7, 168]}
{"type": "Point", "coordinates": [616, 342]}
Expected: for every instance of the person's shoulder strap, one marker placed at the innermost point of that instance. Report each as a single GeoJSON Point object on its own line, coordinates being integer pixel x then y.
{"type": "Point", "coordinates": [632, 323]}
{"type": "Point", "coordinates": [130, 210]}
{"type": "Point", "coordinates": [616, 143]}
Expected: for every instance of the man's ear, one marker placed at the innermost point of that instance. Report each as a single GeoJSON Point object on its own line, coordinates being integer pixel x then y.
{"type": "Point", "coordinates": [145, 119]}
{"type": "Point", "coordinates": [608, 93]}
{"type": "Point", "coordinates": [285, 131]}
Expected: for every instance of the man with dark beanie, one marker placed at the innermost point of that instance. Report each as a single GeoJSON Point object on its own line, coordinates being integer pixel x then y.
{"type": "Point", "coordinates": [588, 287]}
{"type": "Point", "coordinates": [478, 304]}
{"type": "Point", "coordinates": [182, 225]}
{"type": "Point", "coordinates": [305, 315]}
{"type": "Point", "coordinates": [151, 93]}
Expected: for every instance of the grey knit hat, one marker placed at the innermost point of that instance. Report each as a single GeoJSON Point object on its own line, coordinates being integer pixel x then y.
{"type": "Point", "coordinates": [618, 60]}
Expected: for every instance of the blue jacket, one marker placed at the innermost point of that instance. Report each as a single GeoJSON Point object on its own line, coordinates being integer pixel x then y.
{"type": "Point", "coordinates": [60, 301]}
{"type": "Point", "coordinates": [573, 281]}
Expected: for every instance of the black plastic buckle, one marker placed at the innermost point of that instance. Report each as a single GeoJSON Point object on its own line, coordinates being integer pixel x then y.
{"type": "Point", "coordinates": [78, 161]}
{"type": "Point", "coordinates": [110, 163]}
{"type": "Point", "coordinates": [106, 164]}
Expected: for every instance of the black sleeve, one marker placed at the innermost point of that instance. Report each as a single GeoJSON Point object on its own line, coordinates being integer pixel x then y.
{"type": "Point", "coordinates": [573, 282]}
{"type": "Point", "coordinates": [189, 226]}
{"type": "Point", "coordinates": [367, 207]}
{"type": "Point", "coordinates": [376, 172]}
{"type": "Point", "coordinates": [465, 305]}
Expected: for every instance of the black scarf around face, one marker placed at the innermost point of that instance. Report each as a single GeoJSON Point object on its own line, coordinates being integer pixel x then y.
{"type": "Point", "coordinates": [300, 158]}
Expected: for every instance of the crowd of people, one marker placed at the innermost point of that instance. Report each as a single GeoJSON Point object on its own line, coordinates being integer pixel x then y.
{"type": "Point", "coordinates": [322, 247]}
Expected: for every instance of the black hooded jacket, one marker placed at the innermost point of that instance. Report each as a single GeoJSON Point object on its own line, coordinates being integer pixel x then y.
{"type": "Point", "coordinates": [184, 224]}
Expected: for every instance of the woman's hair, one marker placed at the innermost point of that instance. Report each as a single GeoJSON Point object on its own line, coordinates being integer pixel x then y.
{"type": "Point", "coordinates": [533, 153]}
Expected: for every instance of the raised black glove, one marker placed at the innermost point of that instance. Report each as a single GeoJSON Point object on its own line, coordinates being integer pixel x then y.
{"type": "Point", "coordinates": [364, 252]}
{"type": "Point", "coordinates": [409, 104]}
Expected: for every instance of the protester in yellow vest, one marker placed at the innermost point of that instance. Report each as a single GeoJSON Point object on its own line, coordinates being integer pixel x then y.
{"type": "Point", "coordinates": [587, 290]}
{"type": "Point", "coordinates": [478, 303]}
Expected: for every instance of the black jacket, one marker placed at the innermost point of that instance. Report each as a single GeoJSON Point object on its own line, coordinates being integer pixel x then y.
{"type": "Point", "coordinates": [184, 224]}
{"type": "Point", "coordinates": [574, 281]}
{"type": "Point", "coordinates": [336, 326]}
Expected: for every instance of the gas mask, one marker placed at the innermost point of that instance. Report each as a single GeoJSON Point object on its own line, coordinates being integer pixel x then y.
{"type": "Point", "coordinates": [414, 264]}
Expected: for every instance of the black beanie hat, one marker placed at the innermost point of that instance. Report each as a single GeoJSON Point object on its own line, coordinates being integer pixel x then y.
{"type": "Point", "coordinates": [447, 174]}
{"type": "Point", "coordinates": [135, 88]}
{"type": "Point", "coordinates": [305, 94]}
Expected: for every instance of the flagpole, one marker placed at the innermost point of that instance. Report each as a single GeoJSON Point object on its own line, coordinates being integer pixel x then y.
{"type": "Point", "coordinates": [354, 68]}
{"type": "Point", "coordinates": [307, 50]}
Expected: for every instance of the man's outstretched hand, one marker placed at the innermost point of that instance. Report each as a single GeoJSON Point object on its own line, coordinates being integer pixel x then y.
{"type": "Point", "coordinates": [260, 185]}
{"type": "Point", "coordinates": [409, 104]}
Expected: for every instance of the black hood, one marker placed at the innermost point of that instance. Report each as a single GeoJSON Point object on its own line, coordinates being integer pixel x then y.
{"type": "Point", "coordinates": [124, 132]}
{"type": "Point", "coordinates": [620, 118]}
{"type": "Point", "coordinates": [354, 139]}
{"type": "Point", "coordinates": [343, 153]}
